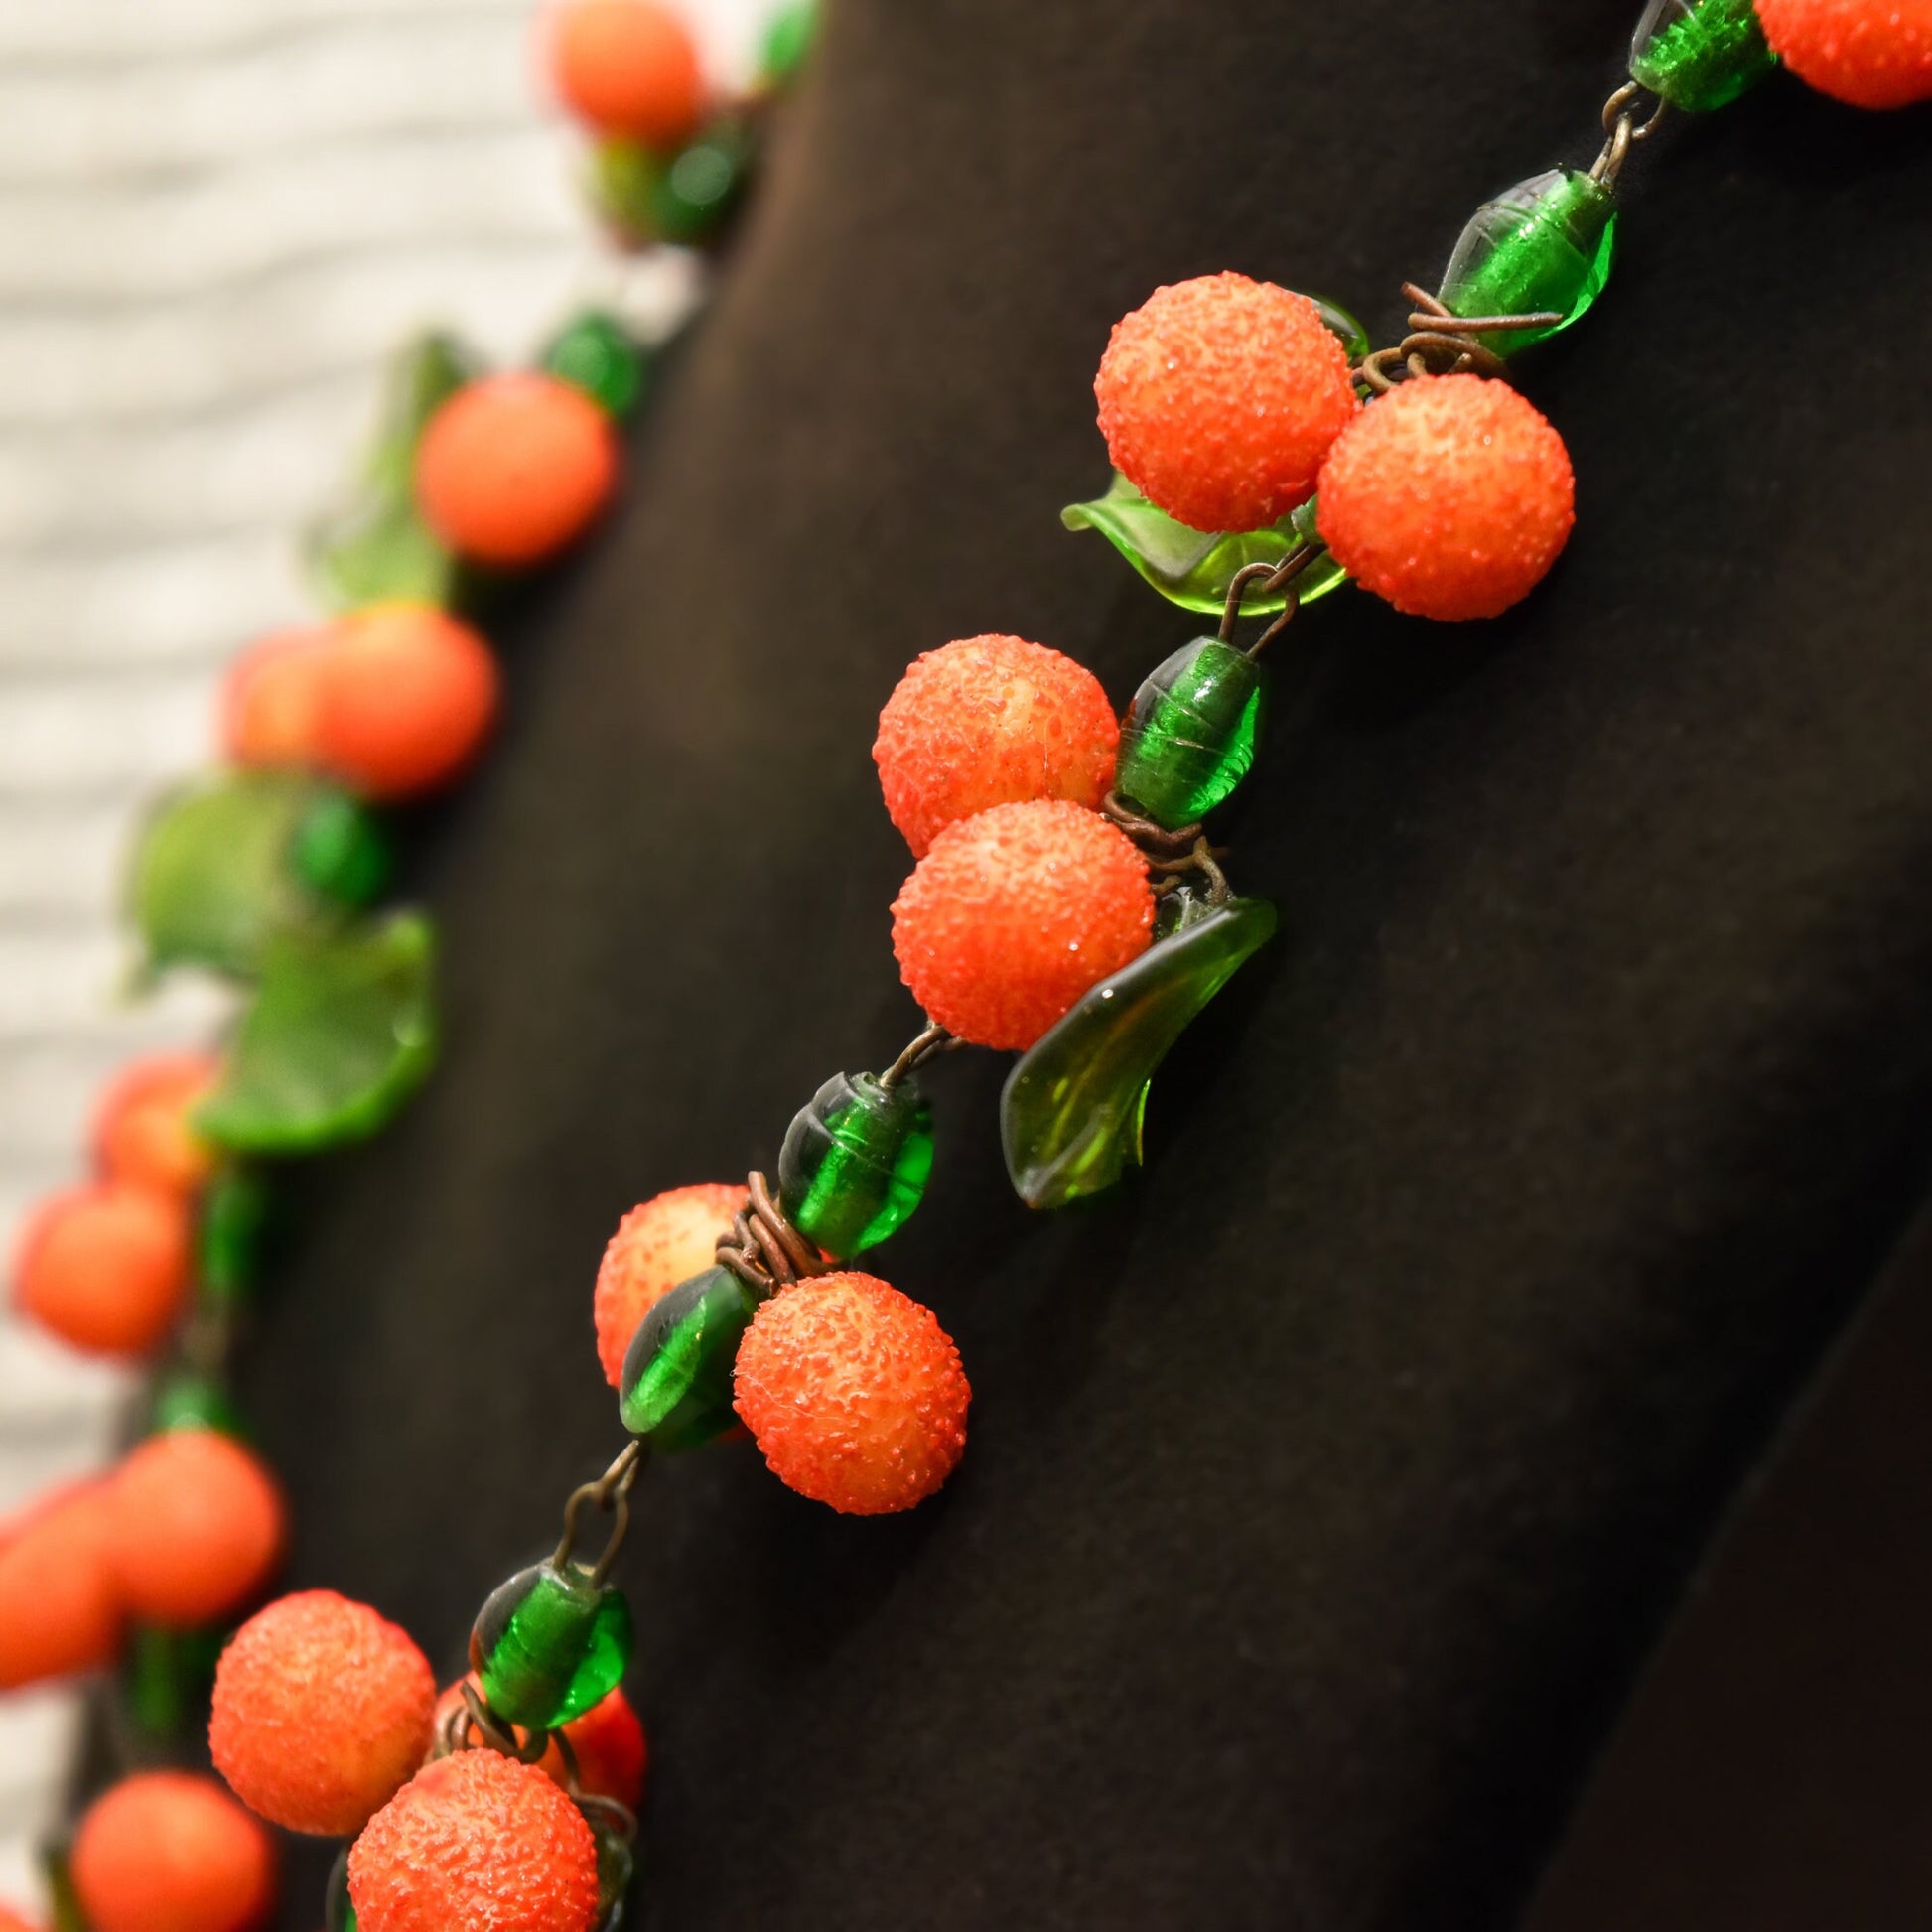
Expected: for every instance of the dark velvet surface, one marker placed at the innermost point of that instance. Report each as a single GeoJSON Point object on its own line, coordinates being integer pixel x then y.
{"type": "Point", "coordinates": [1328, 1487]}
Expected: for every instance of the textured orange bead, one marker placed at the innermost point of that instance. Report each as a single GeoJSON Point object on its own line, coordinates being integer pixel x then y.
{"type": "Point", "coordinates": [628, 67]}
{"type": "Point", "coordinates": [142, 1133]}
{"type": "Point", "coordinates": [106, 1268]}
{"type": "Point", "coordinates": [320, 1712]}
{"type": "Point", "coordinates": [1451, 496]}
{"type": "Point", "coordinates": [408, 697]}
{"type": "Point", "coordinates": [1870, 53]}
{"type": "Point", "coordinates": [1015, 914]}
{"type": "Point", "coordinates": [475, 1843]}
{"type": "Point", "coordinates": [12, 1921]}
{"type": "Point", "coordinates": [271, 701]}
{"type": "Point", "coordinates": [513, 467]}
{"type": "Point", "coordinates": [60, 1608]}
{"type": "Point", "coordinates": [854, 1394]}
{"type": "Point", "coordinates": [991, 721]}
{"type": "Point", "coordinates": [198, 1527]}
{"type": "Point", "coordinates": [1220, 396]}
{"type": "Point", "coordinates": [172, 1852]}
{"type": "Point", "coordinates": [667, 1240]}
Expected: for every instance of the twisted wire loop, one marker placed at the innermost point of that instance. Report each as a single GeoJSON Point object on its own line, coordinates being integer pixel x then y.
{"type": "Point", "coordinates": [1440, 342]}
{"type": "Point", "coordinates": [1268, 580]}
{"type": "Point", "coordinates": [472, 1713]}
{"type": "Point", "coordinates": [763, 1249]}
{"type": "Point", "coordinates": [930, 1043]}
{"type": "Point", "coordinates": [1170, 855]}
{"type": "Point", "coordinates": [1624, 131]}
{"type": "Point", "coordinates": [609, 1491]}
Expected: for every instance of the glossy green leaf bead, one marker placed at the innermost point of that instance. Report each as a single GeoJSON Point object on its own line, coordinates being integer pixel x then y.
{"type": "Point", "coordinates": [787, 41]}
{"type": "Point", "coordinates": [337, 1908]}
{"type": "Point", "coordinates": [675, 1388]}
{"type": "Point", "coordinates": [1189, 738]}
{"type": "Point", "coordinates": [341, 850]}
{"type": "Point", "coordinates": [1700, 54]}
{"type": "Point", "coordinates": [1545, 246]}
{"type": "Point", "coordinates": [550, 1644]}
{"type": "Point", "coordinates": [597, 354]}
{"type": "Point", "coordinates": [228, 1233]}
{"type": "Point", "coordinates": [855, 1162]}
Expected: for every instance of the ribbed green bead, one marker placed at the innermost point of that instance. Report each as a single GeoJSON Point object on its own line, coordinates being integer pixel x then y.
{"type": "Point", "coordinates": [1189, 738]}
{"type": "Point", "coordinates": [597, 354]}
{"type": "Point", "coordinates": [675, 1388]}
{"type": "Point", "coordinates": [341, 850]}
{"type": "Point", "coordinates": [1700, 54]}
{"type": "Point", "coordinates": [228, 1233]}
{"type": "Point", "coordinates": [1543, 247]}
{"type": "Point", "coordinates": [337, 1912]}
{"type": "Point", "coordinates": [550, 1644]}
{"type": "Point", "coordinates": [855, 1162]}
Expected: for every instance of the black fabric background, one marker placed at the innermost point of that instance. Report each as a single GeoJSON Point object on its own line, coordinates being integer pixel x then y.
{"type": "Point", "coordinates": [1329, 1488]}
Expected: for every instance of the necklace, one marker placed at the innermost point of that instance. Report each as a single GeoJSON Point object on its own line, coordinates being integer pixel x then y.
{"type": "Point", "coordinates": [269, 873]}
{"type": "Point", "coordinates": [1049, 855]}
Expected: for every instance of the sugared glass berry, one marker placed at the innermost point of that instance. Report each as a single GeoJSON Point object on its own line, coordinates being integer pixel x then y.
{"type": "Point", "coordinates": [513, 467]}
{"type": "Point", "coordinates": [60, 1608]}
{"type": "Point", "coordinates": [991, 721]}
{"type": "Point", "coordinates": [198, 1527]}
{"type": "Point", "coordinates": [1220, 396]}
{"type": "Point", "coordinates": [172, 1852]}
{"type": "Point", "coordinates": [1451, 498]}
{"type": "Point", "coordinates": [855, 1162]}
{"type": "Point", "coordinates": [475, 1843]}
{"type": "Point", "coordinates": [142, 1131]}
{"type": "Point", "coordinates": [1190, 735]}
{"type": "Point", "coordinates": [1014, 913]}
{"type": "Point", "coordinates": [854, 1394]}
{"type": "Point", "coordinates": [271, 697]}
{"type": "Point", "coordinates": [628, 67]}
{"type": "Point", "coordinates": [550, 1643]}
{"type": "Point", "coordinates": [666, 1241]}
{"type": "Point", "coordinates": [105, 1268]}
{"type": "Point", "coordinates": [1870, 53]}
{"type": "Point", "coordinates": [320, 1712]}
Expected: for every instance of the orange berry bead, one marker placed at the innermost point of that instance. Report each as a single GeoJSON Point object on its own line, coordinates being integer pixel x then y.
{"type": "Point", "coordinates": [172, 1852]}
{"type": "Point", "coordinates": [854, 1394]}
{"type": "Point", "coordinates": [1870, 53]}
{"type": "Point", "coordinates": [475, 1843]}
{"type": "Point", "coordinates": [1220, 396]}
{"type": "Point", "coordinates": [142, 1133]}
{"type": "Point", "coordinates": [321, 1714]}
{"type": "Point", "coordinates": [106, 1268]}
{"type": "Point", "coordinates": [272, 699]}
{"type": "Point", "coordinates": [1451, 496]}
{"type": "Point", "coordinates": [60, 1609]}
{"type": "Point", "coordinates": [12, 1921]}
{"type": "Point", "coordinates": [198, 1526]}
{"type": "Point", "coordinates": [656, 1246]}
{"type": "Point", "coordinates": [991, 721]}
{"type": "Point", "coordinates": [513, 468]}
{"type": "Point", "coordinates": [628, 67]}
{"type": "Point", "coordinates": [1014, 913]}
{"type": "Point", "coordinates": [408, 697]}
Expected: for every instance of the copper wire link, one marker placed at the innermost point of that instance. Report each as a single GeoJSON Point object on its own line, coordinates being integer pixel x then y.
{"type": "Point", "coordinates": [763, 1249]}
{"type": "Point", "coordinates": [1171, 854]}
{"type": "Point", "coordinates": [612, 1492]}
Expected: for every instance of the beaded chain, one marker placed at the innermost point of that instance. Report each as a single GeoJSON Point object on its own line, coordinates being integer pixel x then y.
{"type": "Point", "coordinates": [271, 872]}
{"type": "Point", "coordinates": [1067, 903]}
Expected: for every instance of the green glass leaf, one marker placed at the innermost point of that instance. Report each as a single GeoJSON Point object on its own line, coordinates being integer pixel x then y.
{"type": "Point", "coordinates": [787, 41]}
{"type": "Point", "coordinates": [337, 1908]}
{"type": "Point", "coordinates": [1193, 567]}
{"type": "Point", "coordinates": [341, 1032]}
{"type": "Point", "coordinates": [375, 547]}
{"type": "Point", "coordinates": [1071, 1110]}
{"type": "Point", "coordinates": [213, 880]}
{"type": "Point", "coordinates": [1345, 324]}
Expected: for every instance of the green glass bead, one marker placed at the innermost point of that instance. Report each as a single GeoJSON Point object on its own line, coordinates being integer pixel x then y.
{"type": "Point", "coordinates": [597, 354]}
{"type": "Point", "coordinates": [337, 1909]}
{"type": "Point", "coordinates": [855, 1162]}
{"type": "Point", "coordinates": [675, 1388]}
{"type": "Point", "coordinates": [786, 43]}
{"type": "Point", "coordinates": [228, 1233]}
{"type": "Point", "coordinates": [189, 1401]}
{"type": "Point", "coordinates": [1700, 54]}
{"type": "Point", "coordinates": [1189, 738]}
{"type": "Point", "coordinates": [550, 1644]}
{"type": "Point", "coordinates": [339, 850]}
{"type": "Point", "coordinates": [1071, 1110]}
{"type": "Point", "coordinates": [694, 195]}
{"type": "Point", "coordinates": [1545, 246]}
